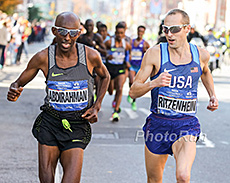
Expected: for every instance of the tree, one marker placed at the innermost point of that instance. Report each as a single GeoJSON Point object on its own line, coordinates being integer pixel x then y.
{"type": "Point", "coordinates": [8, 6]}
{"type": "Point", "coordinates": [34, 13]}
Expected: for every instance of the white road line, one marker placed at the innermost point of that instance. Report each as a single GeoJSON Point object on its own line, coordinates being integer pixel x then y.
{"type": "Point", "coordinates": [145, 111]}
{"type": "Point", "coordinates": [224, 142]}
{"type": "Point", "coordinates": [57, 174]}
{"type": "Point", "coordinates": [132, 114]}
{"type": "Point", "coordinates": [118, 145]}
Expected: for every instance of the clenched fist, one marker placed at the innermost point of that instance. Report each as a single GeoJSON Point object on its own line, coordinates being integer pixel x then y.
{"type": "Point", "coordinates": [164, 79]}
{"type": "Point", "coordinates": [14, 92]}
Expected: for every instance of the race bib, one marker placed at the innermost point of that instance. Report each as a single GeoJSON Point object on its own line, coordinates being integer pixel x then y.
{"type": "Point", "coordinates": [68, 95]}
{"type": "Point", "coordinates": [136, 54]}
{"type": "Point", "coordinates": [118, 56]}
{"type": "Point", "coordinates": [185, 106]}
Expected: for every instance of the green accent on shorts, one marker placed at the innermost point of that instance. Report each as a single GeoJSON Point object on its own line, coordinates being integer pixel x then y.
{"type": "Point", "coordinates": [121, 71]}
{"type": "Point", "coordinates": [77, 140]}
{"type": "Point", "coordinates": [66, 124]}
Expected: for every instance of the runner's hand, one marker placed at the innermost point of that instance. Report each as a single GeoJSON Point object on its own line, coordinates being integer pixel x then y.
{"type": "Point", "coordinates": [91, 115]}
{"type": "Point", "coordinates": [213, 104]}
{"type": "Point", "coordinates": [109, 57]}
{"type": "Point", "coordinates": [164, 79]}
{"type": "Point", "coordinates": [14, 92]}
{"type": "Point", "coordinates": [128, 65]}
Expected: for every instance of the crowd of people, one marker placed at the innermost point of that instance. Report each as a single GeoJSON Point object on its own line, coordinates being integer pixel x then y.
{"type": "Point", "coordinates": [16, 32]}
{"type": "Point", "coordinates": [121, 55]}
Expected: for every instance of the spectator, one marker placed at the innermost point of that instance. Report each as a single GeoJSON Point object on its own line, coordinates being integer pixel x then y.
{"type": "Point", "coordinates": [193, 33]}
{"type": "Point", "coordinates": [3, 43]}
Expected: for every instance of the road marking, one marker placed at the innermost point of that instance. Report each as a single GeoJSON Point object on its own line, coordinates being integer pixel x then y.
{"type": "Point", "coordinates": [224, 142]}
{"type": "Point", "coordinates": [132, 114]}
{"type": "Point", "coordinates": [117, 145]}
{"type": "Point", "coordinates": [107, 136]}
{"type": "Point", "coordinates": [145, 111]}
{"type": "Point", "coordinates": [57, 174]}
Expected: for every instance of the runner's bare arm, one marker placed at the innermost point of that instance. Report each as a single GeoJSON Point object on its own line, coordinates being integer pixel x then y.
{"type": "Point", "coordinates": [129, 49]}
{"type": "Point", "coordinates": [101, 46]}
{"type": "Point", "coordinates": [94, 63]}
{"type": "Point", "coordinates": [149, 66]}
{"type": "Point", "coordinates": [108, 47]}
{"type": "Point", "coordinates": [104, 76]}
{"type": "Point", "coordinates": [146, 46]}
{"type": "Point", "coordinates": [207, 80]}
{"type": "Point", "coordinates": [38, 61]}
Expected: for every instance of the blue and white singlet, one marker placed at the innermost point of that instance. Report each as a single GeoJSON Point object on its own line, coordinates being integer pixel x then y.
{"type": "Point", "coordinates": [137, 53]}
{"type": "Point", "coordinates": [180, 98]}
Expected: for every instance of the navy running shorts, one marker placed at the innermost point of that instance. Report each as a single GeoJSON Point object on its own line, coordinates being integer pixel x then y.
{"type": "Point", "coordinates": [134, 68]}
{"type": "Point", "coordinates": [51, 131]}
{"type": "Point", "coordinates": [161, 132]}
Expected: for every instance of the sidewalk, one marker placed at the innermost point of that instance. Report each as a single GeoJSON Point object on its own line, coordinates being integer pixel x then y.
{"type": "Point", "coordinates": [10, 73]}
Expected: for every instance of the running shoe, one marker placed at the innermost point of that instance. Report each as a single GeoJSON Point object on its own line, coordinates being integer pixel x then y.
{"type": "Point", "coordinates": [119, 110]}
{"type": "Point", "coordinates": [134, 106]}
{"type": "Point", "coordinates": [129, 99]}
{"type": "Point", "coordinates": [115, 117]}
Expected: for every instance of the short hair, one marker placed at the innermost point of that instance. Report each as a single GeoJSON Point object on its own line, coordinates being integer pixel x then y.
{"type": "Point", "coordinates": [123, 23]}
{"type": "Point", "coordinates": [103, 26]}
{"type": "Point", "coordinates": [88, 20]}
{"type": "Point", "coordinates": [141, 26]}
{"type": "Point", "coordinates": [185, 17]}
{"type": "Point", "coordinates": [120, 25]}
{"type": "Point", "coordinates": [98, 23]}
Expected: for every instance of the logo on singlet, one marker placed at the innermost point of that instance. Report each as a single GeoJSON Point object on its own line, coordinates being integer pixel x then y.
{"type": "Point", "coordinates": [170, 70]}
{"type": "Point", "coordinates": [54, 75]}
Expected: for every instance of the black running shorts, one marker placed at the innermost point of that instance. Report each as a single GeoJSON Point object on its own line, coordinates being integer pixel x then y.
{"type": "Point", "coordinates": [115, 70]}
{"type": "Point", "coordinates": [51, 131]}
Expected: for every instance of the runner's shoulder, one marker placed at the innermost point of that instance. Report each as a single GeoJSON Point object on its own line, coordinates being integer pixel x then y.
{"type": "Point", "coordinates": [81, 37]}
{"type": "Point", "coordinates": [204, 55]}
{"type": "Point", "coordinates": [91, 53]}
{"type": "Point", "coordinates": [152, 55]}
{"type": "Point", "coordinates": [41, 56]}
{"type": "Point", "coordinates": [153, 50]}
{"type": "Point", "coordinates": [98, 36]}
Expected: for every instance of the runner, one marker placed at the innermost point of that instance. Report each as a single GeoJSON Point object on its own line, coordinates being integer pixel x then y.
{"type": "Point", "coordinates": [93, 40]}
{"type": "Point", "coordinates": [139, 47]}
{"type": "Point", "coordinates": [129, 40]}
{"type": "Point", "coordinates": [98, 24]}
{"type": "Point", "coordinates": [119, 54]}
{"type": "Point", "coordinates": [172, 127]}
{"type": "Point", "coordinates": [62, 128]}
{"type": "Point", "coordinates": [104, 33]}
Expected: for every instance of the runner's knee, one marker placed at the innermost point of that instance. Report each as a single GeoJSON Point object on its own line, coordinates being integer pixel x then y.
{"type": "Point", "coordinates": [183, 176]}
{"type": "Point", "coordinates": [46, 172]}
{"type": "Point", "coordinates": [154, 179]}
{"type": "Point", "coordinates": [46, 175]}
{"type": "Point", "coordinates": [119, 87]}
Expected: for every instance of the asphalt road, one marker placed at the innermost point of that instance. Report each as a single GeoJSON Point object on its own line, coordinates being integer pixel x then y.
{"type": "Point", "coordinates": [116, 152]}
